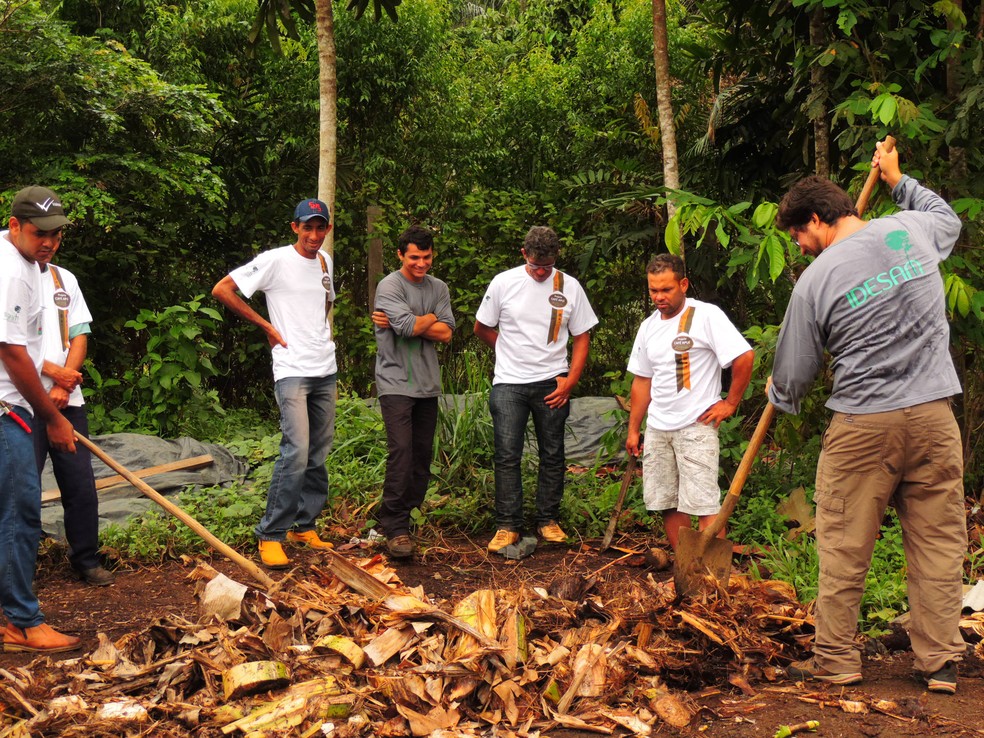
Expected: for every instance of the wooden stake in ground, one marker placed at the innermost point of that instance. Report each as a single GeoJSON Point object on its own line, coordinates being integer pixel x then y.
{"type": "Point", "coordinates": [230, 553]}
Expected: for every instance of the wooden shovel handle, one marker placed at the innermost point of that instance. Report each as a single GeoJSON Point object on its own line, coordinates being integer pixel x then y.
{"type": "Point", "coordinates": [627, 479]}
{"type": "Point", "coordinates": [741, 476]}
{"type": "Point", "coordinates": [243, 563]}
{"type": "Point", "coordinates": [872, 181]}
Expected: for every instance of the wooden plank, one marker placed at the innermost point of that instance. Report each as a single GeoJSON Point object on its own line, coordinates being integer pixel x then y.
{"type": "Point", "coordinates": [195, 462]}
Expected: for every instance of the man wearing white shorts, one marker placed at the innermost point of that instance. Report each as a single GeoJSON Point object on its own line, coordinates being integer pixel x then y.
{"type": "Point", "coordinates": [677, 359]}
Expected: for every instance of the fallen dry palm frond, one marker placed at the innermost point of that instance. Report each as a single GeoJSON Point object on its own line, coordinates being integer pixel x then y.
{"type": "Point", "coordinates": [348, 644]}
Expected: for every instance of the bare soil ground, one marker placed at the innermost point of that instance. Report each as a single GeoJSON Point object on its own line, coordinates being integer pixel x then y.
{"type": "Point", "coordinates": [448, 569]}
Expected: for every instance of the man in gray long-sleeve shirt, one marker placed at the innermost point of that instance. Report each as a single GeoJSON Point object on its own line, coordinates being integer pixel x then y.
{"type": "Point", "coordinates": [412, 313]}
{"type": "Point", "coordinates": [874, 300]}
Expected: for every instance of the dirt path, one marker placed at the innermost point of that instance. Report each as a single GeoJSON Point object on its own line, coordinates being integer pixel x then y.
{"type": "Point", "coordinates": [447, 570]}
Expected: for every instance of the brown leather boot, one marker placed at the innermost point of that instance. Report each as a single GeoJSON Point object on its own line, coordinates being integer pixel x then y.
{"type": "Point", "coordinates": [39, 639]}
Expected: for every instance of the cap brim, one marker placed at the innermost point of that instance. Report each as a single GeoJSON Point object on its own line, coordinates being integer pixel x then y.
{"type": "Point", "coordinates": [306, 218]}
{"type": "Point", "coordinates": [50, 222]}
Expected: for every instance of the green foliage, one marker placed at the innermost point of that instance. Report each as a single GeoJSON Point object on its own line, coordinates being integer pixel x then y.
{"type": "Point", "coordinates": [164, 392]}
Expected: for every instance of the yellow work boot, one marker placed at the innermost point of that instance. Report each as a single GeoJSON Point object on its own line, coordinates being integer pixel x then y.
{"type": "Point", "coordinates": [39, 639]}
{"type": "Point", "coordinates": [272, 555]}
{"type": "Point", "coordinates": [308, 538]}
{"type": "Point", "coordinates": [502, 539]}
{"type": "Point", "coordinates": [552, 532]}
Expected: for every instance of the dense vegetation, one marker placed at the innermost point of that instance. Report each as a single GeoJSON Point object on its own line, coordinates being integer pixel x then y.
{"type": "Point", "coordinates": [181, 149]}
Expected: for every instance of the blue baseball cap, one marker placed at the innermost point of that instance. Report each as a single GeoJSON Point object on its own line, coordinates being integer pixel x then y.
{"type": "Point", "coordinates": [307, 209]}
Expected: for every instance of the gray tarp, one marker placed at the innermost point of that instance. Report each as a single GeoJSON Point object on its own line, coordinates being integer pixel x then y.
{"type": "Point", "coordinates": [135, 452]}
{"type": "Point", "coordinates": [590, 419]}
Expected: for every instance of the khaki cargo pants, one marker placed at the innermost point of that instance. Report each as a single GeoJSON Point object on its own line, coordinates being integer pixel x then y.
{"type": "Point", "coordinates": [911, 459]}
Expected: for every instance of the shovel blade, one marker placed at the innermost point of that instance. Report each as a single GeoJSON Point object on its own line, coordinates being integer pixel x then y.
{"type": "Point", "coordinates": [698, 556]}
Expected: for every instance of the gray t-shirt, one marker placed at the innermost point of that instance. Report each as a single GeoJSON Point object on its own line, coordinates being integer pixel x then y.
{"type": "Point", "coordinates": [875, 302]}
{"type": "Point", "coordinates": [405, 364]}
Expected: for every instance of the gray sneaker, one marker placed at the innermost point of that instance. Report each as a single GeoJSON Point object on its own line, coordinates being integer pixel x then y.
{"type": "Point", "coordinates": [808, 670]}
{"type": "Point", "coordinates": [944, 679]}
{"type": "Point", "coordinates": [400, 547]}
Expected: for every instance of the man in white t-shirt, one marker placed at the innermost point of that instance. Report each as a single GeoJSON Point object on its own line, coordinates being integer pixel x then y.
{"type": "Point", "coordinates": [677, 359]}
{"type": "Point", "coordinates": [526, 316]}
{"type": "Point", "coordinates": [35, 229]}
{"type": "Point", "coordinates": [66, 341]}
{"type": "Point", "coordinates": [297, 283]}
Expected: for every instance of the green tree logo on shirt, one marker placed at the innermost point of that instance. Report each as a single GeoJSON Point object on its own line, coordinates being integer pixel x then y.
{"type": "Point", "coordinates": [898, 241]}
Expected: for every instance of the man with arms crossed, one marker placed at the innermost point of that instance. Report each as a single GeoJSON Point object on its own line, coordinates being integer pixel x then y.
{"type": "Point", "coordinates": [526, 316]}
{"type": "Point", "coordinates": [412, 313]}
{"type": "Point", "coordinates": [35, 230]}
{"type": "Point", "coordinates": [677, 359]}
{"type": "Point", "coordinates": [297, 283]}
{"type": "Point", "coordinates": [66, 341]}
{"type": "Point", "coordinates": [873, 298]}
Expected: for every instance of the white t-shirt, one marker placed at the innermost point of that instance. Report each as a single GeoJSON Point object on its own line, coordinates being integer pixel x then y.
{"type": "Point", "coordinates": [65, 316]}
{"type": "Point", "coordinates": [295, 288]}
{"type": "Point", "coordinates": [684, 356]}
{"type": "Point", "coordinates": [534, 320]}
{"type": "Point", "coordinates": [20, 322]}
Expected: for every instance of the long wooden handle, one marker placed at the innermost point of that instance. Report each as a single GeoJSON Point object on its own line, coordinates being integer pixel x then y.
{"type": "Point", "coordinates": [741, 476]}
{"type": "Point", "coordinates": [872, 181]}
{"type": "Point", "coordinates": [627, 478]}
{"type": "Point", "coordinates": [243, 563]}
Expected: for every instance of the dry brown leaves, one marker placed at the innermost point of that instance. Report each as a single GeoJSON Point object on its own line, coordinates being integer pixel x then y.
{"type": "Point", "coordinates": [350, 651]}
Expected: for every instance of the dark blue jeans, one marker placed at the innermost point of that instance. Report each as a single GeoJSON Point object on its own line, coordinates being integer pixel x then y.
{"type": "Point", "coordinates": [299, 487]}
{"type": "Point", "coordinates": [410, 423]}
{"type": "Point", "coordinates": [79, 499]}
{"type": "Point", "coordinates": [20, 522]}
{"type": "Point", "coordinates": [511, 406]}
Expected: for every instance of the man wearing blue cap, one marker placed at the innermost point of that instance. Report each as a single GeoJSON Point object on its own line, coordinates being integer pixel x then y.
{"type": "Point", "coordinates": [297, 283]}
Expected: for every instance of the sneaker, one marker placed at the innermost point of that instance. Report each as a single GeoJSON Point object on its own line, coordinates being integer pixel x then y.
{"type": "Point", "coordinates": [97, 576]}
{"type": "Point", "coordinates": [272, 555]}
{"type": "Point", "coordinates": [553, 533]}
{"type": "Point", "coordinates": [944, 680]}
{"type": "Point", "coordinates": [39, 639]}
{"type": "Point", "coordinates": [400, 547]}
{"type": "Point", "coordinates": [808, 669]}
{"type": "Point", "coordinates": [502, 539]}
{"type": "Point", "coordinates": [308, 538]}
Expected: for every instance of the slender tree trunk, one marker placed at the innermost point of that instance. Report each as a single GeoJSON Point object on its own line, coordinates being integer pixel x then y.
{"type": "Point", "coordinates": [818, 81]}
{"type": "Point", "coordinates": [328, 91]}
{"type": "Point", "coordinates": [958, 155]}
{"type": "Point", "coordinates": [661, 57]}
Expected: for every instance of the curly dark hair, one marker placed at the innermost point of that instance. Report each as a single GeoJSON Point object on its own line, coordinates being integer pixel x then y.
{"type": "Point", "coordinates": [541, 243]}
{"type": "Point", "coordinates": [417, 235]}
{"type": "Point", "coordinates": [813, 196]}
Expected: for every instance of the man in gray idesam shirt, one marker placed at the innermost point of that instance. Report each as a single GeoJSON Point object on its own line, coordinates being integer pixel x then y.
{"type": "Point", "coordinates": [412, 313]}
{"type": "Point", "coordinates": [874, 300]}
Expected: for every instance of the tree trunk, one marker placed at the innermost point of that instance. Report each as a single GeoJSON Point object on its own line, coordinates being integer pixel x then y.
{"type": "Point", "coordinates": [328, 91]}
{"type": "Point", "coordinates": [661, 57]}
{"type": "Point", "coordinates": [821, 133]}
{"type": "Point", "coordinates": [958, 155]}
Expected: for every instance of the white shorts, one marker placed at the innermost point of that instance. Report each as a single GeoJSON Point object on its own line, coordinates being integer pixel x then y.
{"type": "Point", "coordinates": [680, 470]}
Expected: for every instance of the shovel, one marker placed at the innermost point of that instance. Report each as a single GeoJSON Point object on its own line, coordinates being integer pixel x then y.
{"type": "Point", "coordinates": [230, 553]}
{"type": "Point", "coordinates": [703, 553]}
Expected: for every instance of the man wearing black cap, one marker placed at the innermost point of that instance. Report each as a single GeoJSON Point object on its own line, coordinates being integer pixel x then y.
{"type": "Point", "coordinates": [297, 283]}
{"type": "Point", "coordinates": [35, 230]}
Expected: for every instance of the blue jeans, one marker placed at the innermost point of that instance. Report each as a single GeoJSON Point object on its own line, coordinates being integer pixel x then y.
{"type": "Point", "coordinates": [410, 424]}
{"type": "Point", "coordinates": [20, 522]}
{"type": "Point", "coordinates": [77, 485]}
{"type": "Point", "coordinates": [511, 406]}
{"type": "Point", "coordinates": [299, 488]}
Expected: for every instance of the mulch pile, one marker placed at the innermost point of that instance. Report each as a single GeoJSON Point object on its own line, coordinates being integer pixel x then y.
{"type": "Point", "coordinates": [349, 650]}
